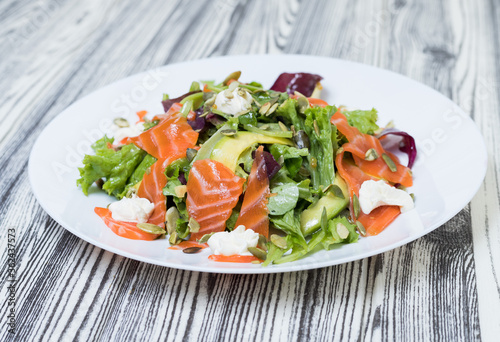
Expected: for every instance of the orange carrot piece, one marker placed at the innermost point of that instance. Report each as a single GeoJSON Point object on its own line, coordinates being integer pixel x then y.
{"type": "Point", "coordinates": [141, 115]}
{"type": "Point", "coordinates": [187, 244]}
{"type": "Point", "coordinates": [127, 230]}
{"type": "Point", "coordinates": [233, 258]}
{"type": "Point", "coordinates": [254, 212]}
{"type": "Point", "coordinates": [213, 190]}
{"type": "Point", "coordinates": [313, 102]}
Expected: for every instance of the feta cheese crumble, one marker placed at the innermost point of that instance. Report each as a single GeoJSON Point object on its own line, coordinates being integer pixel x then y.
{"type": "Point", "coordinates": [235, 102]}
{"type": "Point", "coordinates": [133, 209]}
{"type": "Point", "coordinates": [235, 242]}
{"type": "Point", "coordinates": [374, 194]}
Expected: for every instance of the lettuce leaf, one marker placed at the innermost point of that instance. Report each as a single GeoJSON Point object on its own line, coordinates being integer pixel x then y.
{"type": "Point", "coordinates": [117, 167]}
{"type": "Point", "coordinates": [364, 120]}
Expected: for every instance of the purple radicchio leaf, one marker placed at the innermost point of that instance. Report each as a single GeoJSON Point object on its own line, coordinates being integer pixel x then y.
{"type": "Point", "coordinates": [272, 166]}
{"type": "Point", "coordinates": [182, 178]}
{"type": "Point", "coordinates": [302, 82]}
{"type": "Point", "coordinates": [407, 144]}
{"type": "Point", "coordinates": [198, 124]}
{"type": "Point", "coordinates": [168, 103]}
{"type": "Point", "coordinates": [215, 119]}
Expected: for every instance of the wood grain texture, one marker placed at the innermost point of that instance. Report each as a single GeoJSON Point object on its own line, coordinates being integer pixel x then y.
{"type": "Point", "coordinates": [444, 286]}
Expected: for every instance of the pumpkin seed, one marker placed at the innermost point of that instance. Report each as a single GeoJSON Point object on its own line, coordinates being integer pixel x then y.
{"type": "Point", "coordinates": [258, 253]}
{"type": "Point", "coordinates": [232, 76]}
{"type": "Point", "coordinates": [342, 231]}
{"type": "Point", "coordinates": [233, 86]}
{"type": "Point", "coordinates": [339, 151]}
{"type": "Point", "coordinates": [121, 122]}
{"type": "Point", "coordinates": [228, 132]}
{"type": "Point", "coordinates": [255, 261]}
{"type": "Point", "coordinates": [337, 191]}
{"type": "Point", "coordinates": [174, 239]}
{"type": "Point", "coordinates": [265, 107]}
{"type": "Point", "coordinates": [279, 241]}
{"type": "Point", "coordinates": [301, 139]}
{"type": "Point", "coordinates": [204, 238]}
{"type": "Point", "coordinates": [371, 154]}
{"type": "Point", "coordinates": [228, 94]}
{"type": "Point", "coordinates": [171, 217]}
{"type": "Point", "coordinates": [207, 96]}
{"type": "Point", "coordinates": [303, 104]}
{"type": "Point", "coordinates": [256, 103]}
{"type": "Point", "coordinates": [262, 243]}
{"type": "Point", "coordinates": [194, 227]}
{"type": "Point", "coordinates": [412, 195]}
{"type": "Point", "coordinates": [355, 205]}
{"type": "Point", "coordinates": [283, 126]}
{"type": "Point", "coordinates": [192, 250]}
{"type": "Point", "coordinates": [151, 228]}
{"type": "Point", "coordinates": [390, 163]}
{"type": "Point", "coordinates": [190, 154]}
{"type": "Point", "coordinates": [361, 228]}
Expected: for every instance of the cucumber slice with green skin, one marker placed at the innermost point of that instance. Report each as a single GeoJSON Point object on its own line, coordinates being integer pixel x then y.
{"type": "Point", "coordinates": [310, 220]}
{"type": "Point", "coordinates": [229, 148]}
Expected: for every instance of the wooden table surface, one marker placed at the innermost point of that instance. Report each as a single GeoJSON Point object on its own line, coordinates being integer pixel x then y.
{"type": "Point", "coordinates": [443, 286]}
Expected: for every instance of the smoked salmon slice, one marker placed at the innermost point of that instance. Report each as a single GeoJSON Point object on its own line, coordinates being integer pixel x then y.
{"type": "Point", "coordinates": [380, 217]}
{"type": "Point", "coordinates": [254, 212]}
{"type": "Point", "coordinates": [213, 190]}
{"type": "Point", "coordinates": [170, 138]}
{"type": "Point", "coordinates": [360, 143]}
{"type": "Point", "coordinates": [127, 230]}
{"type": "Point", "coordinates": [151, 188]}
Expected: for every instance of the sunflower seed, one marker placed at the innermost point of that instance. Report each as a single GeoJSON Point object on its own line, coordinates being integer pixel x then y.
{"type": "Point", "coordinates": [180, 190]}
{"type": "Point", "coordinates": [121, 122]}
{"type": "Point", "coordinates": [228, 132]}
{"type": "Point", "coordinates": [279, 241]}
{"type": "Point", "coordinates": [204, 238]}
{"type": "Point", "coordinates": [342, 231]}
{"type": "Point", "coordinates": [228, 94]}
{"type": "Point", "coordinates": [371, 154]}
{"type": "Point", "coordinates": [194, 227]}
{"type": "Point", "coordinates": [258, 253]}
{"type": "Point", "coordinates": [192, 250]}
{"type": "Point", "coordinates": [171, 217]}
{"type": "Point", "coordinates": [265, 107]}
{"type": "Point", "coordinates": [151, 228]}
{"type": "Point", "coordinates": [272, 109]}
{"type": "Point", "coordinates": [232, 76]}
{"type": "Point", "coordinates": [355, 205]}
{"type": "Point", "coordinates": [316, 128]}
{"type": "Point", "coordinates": [361, 228]}
{"type": "Point", "coordinates": [390, 163]}
{"type": "Point", "coordinates": [190, 154]}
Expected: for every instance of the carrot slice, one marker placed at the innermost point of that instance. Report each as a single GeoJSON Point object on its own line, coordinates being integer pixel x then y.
{"type": "Point", "coordinates": [127, 230]}
{"type": "Point", "coordinates": [233, 258]}
{"type": "Point", "coordinates": [141, 115]}
{"type": "Point", "coordinates": [170, 138]}
{"type": "Point", "coordinates": [254, 212]}
{"type": "Point", "coordinates": [317, 102]}
{"type": "Point", "coordinates": [187, 244]}
{"type": "Point", "coordinates": [213, 191]}
{"type": "Point", "coordinates": [360, 143]}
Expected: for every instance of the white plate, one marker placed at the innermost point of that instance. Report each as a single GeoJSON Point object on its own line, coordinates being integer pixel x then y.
{"type": "Point", "coordinates": [449, 170]}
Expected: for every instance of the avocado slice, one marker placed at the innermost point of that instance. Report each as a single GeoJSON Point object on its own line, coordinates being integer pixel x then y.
{"type": "Point", "coordinates": [229, 148]}
{"type": "Point", "coordinates": [310, 220]}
